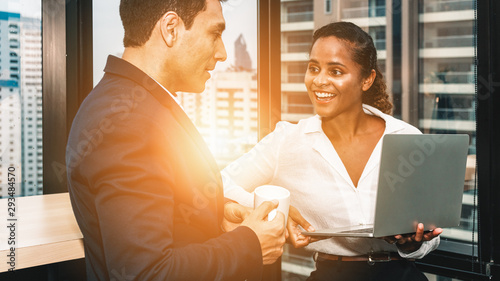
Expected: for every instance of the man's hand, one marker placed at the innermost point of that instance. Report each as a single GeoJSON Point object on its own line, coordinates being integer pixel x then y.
{"type": "Point", "coordinates": [271, 234]}
{"type": "Point", "coordinates": [234, 215]}
{"type": "Point", "coordinates": [408, 243]}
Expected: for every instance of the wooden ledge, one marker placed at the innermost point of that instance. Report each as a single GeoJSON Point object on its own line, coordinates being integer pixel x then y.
{"type": "Point", "coordinates": [46, 231]}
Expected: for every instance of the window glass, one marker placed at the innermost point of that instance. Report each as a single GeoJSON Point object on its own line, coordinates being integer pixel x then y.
{"type": "Point", "coordinates": [447, 95]}
{"type": "Point", "coordinates": [226, 112]}
{"type": "Point", "coordinates": [21, 153]}
{"type": "Point", "coordinates": [328, 6]}
{"type": "Point", "coordinates": [107, 34]}
{"type": "Point", "coordinates": [443, 102]}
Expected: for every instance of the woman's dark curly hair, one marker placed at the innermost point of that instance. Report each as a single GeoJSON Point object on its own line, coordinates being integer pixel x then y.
{"type": "Point", "coordinates": [364, 53]}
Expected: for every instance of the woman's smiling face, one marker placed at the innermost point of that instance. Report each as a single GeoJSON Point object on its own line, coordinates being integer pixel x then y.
{"type": "Point", "coordinates": [333, 79]}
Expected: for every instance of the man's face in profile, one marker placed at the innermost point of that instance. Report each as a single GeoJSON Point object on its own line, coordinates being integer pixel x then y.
{"type": "Point", "coordinates": [202, 48]}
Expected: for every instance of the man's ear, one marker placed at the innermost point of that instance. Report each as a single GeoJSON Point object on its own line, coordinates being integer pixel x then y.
{"type": "Point", "coordinates": [169, 27]}
{"type": "Point", "coordinates": [368, 81]}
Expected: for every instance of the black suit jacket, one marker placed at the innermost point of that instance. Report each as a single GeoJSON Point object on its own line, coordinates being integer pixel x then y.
{"type": "Point", "coordinates": [146, 191]}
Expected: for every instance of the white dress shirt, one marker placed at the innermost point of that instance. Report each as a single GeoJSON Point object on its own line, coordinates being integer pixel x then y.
{"type": "Point", "coordinates": [301, 158]}
{"type": "Point", "coordinates": [174, 96]}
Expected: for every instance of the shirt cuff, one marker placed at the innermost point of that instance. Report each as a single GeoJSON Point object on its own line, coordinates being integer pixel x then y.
{"type": "Point", "coordinates": [425, 248]}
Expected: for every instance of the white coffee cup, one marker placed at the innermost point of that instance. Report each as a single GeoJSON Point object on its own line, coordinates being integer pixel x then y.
{"type": "Point", "coordinates": [270, 192]}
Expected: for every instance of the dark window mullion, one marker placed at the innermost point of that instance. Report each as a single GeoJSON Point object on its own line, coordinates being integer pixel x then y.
{"type": "Point", "coordinates": [488, 128]}
{"type": "Point", "coordinates": [269, 65]}
{"type": "Point", "coordinates": [269, 84]}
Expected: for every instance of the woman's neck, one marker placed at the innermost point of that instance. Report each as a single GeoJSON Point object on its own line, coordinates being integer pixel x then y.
{"type": "Point", "coordinates": [346, 125]}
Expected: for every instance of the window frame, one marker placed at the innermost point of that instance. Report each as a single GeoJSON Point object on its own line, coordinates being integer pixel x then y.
{"type": "Point", "coordinates": [268, 66]}
{"type": "Point", "coordinates": [269, 85]}
{"type": "Point", "coordinates": [66, 80]}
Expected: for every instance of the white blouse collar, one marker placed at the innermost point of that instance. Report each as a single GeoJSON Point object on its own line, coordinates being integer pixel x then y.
{"type": "Point", "coordinates": [313, 124]}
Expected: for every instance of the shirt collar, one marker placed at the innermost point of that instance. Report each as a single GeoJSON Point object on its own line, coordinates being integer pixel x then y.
{"type": "Point", "coordinates": [313, 124]}
{"type": "Point", "coordinates": [392, 124]}
{"type": "Point", "coordinates": [125, 69]}
{"type": "Point", "coordinates": [173, 95]}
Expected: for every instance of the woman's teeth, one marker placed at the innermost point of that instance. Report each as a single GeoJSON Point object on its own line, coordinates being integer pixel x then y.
{"type": "Point", "coordinates": [324, 96]}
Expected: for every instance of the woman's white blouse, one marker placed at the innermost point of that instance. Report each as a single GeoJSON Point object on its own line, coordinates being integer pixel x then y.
{"type": "Point", "coordinates": [301, 158]}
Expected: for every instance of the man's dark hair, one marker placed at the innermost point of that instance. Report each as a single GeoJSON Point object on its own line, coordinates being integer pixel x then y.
{"type": "Point", "coordinates": [140, 16]}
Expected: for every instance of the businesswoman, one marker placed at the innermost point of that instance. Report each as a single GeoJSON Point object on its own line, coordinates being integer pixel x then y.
{"type": "Point", "coordinates": [329, 162]}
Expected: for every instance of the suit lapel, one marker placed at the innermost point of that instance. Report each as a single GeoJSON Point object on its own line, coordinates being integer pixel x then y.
{"type": "Point", "coordinates": [123, 68]}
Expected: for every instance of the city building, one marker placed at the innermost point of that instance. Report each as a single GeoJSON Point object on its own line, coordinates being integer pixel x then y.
{"type": "Point", "coordinates": [10, 100]}
{"type": "Point", "coordinates": [31, 103]}
{"type": "Point", "coordinates": [242, 62]}
{"type": "Point", "coordinates": [297, 26]}
{"type": "Point", "coordinates": [225, 114]}
{"type": "Point", "coordinates": [21, 102]}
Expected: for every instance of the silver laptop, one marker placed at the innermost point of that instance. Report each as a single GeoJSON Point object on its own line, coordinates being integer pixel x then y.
{"type": "Point", "coordinates": [421, 180]}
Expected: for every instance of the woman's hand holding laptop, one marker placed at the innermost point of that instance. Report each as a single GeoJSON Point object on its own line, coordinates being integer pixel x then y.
{"type": "Point", "coordinates": [411, 242]}
{"type": "Point", "coordinates": [405, 242]}
{"type": "Point", "coordinates": [295, 225]}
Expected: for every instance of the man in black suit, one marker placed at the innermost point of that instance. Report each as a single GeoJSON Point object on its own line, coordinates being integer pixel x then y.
{"type": "Point", "coordinates": [144, 187]}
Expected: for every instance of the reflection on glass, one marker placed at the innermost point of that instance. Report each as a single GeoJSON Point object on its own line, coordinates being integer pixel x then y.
{"type": "Point", "coordinates": [447, 88]}
{"type": "Point", "coordinates": [21, 97]}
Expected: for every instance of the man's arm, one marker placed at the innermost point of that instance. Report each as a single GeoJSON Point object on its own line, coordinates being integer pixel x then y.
{"type": "Point", "coordinates": [129, 174]}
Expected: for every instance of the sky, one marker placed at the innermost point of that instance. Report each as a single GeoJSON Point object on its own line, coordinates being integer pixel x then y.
{"type": "Point", "coordinates": [240, 15]}
{"type": "Point", "coordinates": [28, 8]}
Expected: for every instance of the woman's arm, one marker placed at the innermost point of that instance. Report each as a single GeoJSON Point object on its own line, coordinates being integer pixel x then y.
{"type": "Point", "coordinates": [255, 168]}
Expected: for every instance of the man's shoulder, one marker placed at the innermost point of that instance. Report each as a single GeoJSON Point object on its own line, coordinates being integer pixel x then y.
{"type": "Point", "coordinates": [112, 85]}
{"type": "Point", "coordinates": [118, 103]}
{"type": "Point", "coordinates": [115, 94]}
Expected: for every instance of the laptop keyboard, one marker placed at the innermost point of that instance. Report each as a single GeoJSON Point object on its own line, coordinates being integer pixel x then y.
{"type": "Point", "coordinates": [362, 230]}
